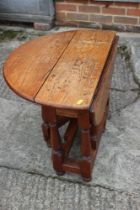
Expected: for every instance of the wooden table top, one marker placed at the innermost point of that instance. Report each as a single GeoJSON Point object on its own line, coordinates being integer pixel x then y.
{"type": "Point", "coordinates": [60, 70]}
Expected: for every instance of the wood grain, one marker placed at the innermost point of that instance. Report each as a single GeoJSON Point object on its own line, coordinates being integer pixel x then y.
{"type": "Point", "coordinates": [102, 95]}
{"type": "Point", "coordinates": [74, 79]}
{"type": "Point", "coordinates": [69, 75]}
{"type": "Point", "coordinates": [27, 67]}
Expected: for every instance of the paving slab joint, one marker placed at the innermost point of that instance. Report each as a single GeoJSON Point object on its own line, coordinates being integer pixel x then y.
{"type": "Point", "coordinates": [104, 187]}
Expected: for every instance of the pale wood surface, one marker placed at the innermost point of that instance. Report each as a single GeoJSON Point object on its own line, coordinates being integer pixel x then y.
{"type": "Point", "coordinates": [102, 95]}
{"type": "Point", "coordinates": [61, 70]}
{"type": "Point", "coordinates": [74, 79]}
{"type": "Point", "coordinates": [28, 66]}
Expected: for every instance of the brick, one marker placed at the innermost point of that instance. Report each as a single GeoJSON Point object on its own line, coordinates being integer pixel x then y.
{"type": "Point", "coordinates": [113, 11]}
{"type": "Point", "coordinates": [77, 1]}
{"type": "Point", "coordinates": [42, 26]}
{"type": "Point", "coordinates": [89, 9]}
{"type": "Point", "coordinates": [128, 4]}
{"type": "Point", "coordinates": [114, 27]}
{"type": "Point", "coordinates": [100, 3]}
{"type": "Point", "coordinates": [101, 13]}
{"type": "Point", "coordinates": [89, 25]}
{"type": "Point", "coordinates": [67, 23]}
{"type": "Point", "coordinates": [82, 17]}
{"type": "Point", "coordinates": [125, 20]}
{"type": "Point", "coordinates": [76, 17]}
{"type": "Point", "coordinates": [101, 19]}
{"type": "Point", "coordinates": [71, 16]}
{"type": "Point", "coordinates": [133, 28]}
{"type": "Point", "coordinates": [60, 16]}
{"type": "Point", "coordinates": [65, 7]}
{"type": "Point", "coordinates": [133, 12]}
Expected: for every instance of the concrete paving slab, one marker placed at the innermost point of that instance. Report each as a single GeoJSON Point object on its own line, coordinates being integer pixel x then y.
{"type": "Point", "coordinates": [22, 147]}
{"type": "Point", "coordinates": [29, 191]}
{"type": "Point", "coordinates": [21, 142]}
{"type": "Point", "coordinates": [27, 179]}
{"type": "Point", "coordinates": [135, 59]}
{"type": "Point", "coordinates": [122, 75]}
{"type": "Point", "coordinates": [120, 100]}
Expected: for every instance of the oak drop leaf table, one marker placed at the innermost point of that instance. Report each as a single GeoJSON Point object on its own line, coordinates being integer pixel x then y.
{"type": "Point", "coordinates": [68, 74]}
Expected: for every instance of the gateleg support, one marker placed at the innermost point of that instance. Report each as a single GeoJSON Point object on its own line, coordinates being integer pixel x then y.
{"type": "Point", "coordinates": [57, 151]}
{"type": "Point", "coordinates": [87, 158]}
{"type": "Point", "coordinates": [45, 126]}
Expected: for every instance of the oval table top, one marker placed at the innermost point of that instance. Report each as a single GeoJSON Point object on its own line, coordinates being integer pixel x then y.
{"type": "Point", "coordinates": [61, 69]}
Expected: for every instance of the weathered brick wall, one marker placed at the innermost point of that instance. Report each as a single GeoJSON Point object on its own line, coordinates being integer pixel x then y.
{"type": "Point", "coordinates": [89, 13]}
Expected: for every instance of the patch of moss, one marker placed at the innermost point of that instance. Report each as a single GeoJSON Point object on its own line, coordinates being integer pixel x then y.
{"type": "Point", "coordinates": [124, 52]}
{"type": "Point", "coordinates": [122, 49]}
{"type": "Point", "coordinates": [8, 34]}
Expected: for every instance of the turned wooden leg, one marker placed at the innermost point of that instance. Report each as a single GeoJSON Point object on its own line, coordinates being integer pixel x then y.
{"type": "Point", "coordinates": [45, 126]}
{"type": "Point", "coordinates": [57, 152]}
{"type": "Point", "coordinates": [86, 149]}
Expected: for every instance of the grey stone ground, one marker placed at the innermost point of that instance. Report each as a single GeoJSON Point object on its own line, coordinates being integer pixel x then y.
{"type": "Point", "coordinates": [27, 180]}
